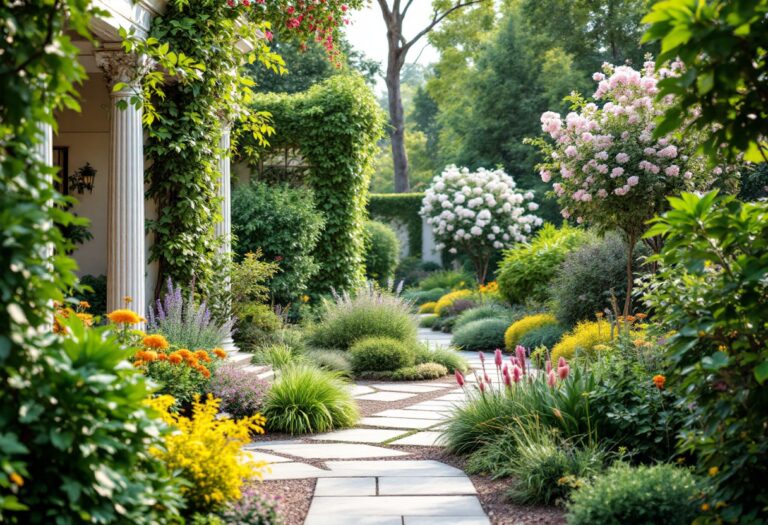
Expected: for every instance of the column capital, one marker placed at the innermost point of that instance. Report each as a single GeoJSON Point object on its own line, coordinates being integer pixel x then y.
{"type": "Point", "coordinates": [121, 67]}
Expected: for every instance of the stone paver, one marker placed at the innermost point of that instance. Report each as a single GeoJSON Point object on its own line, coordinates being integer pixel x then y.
{"type": "Point", "coordinates": [294, 471]}
{"type": "Point", "coordinates": [254, 455]}
{"type": "Point", "coordinates": [385, 396]}
{"type": "Point", "coordinates": [396, 506]}
{"type": "Point", "coordinates": [422, 439]}
{"type": "Point", "coordinates": [446, 486]}
{"type": "Point", "coordinates": [360, 435]}
{"type": "Point", "coordinates": [360, 390]}
{"type": "Point", "coordinates": [446, 520]}
{"type": "Point", "coordinates": [333, 451]}
{"type": "Point", "coordinates": [346, 487]}
{"type": "Point", "coordinates": [322, 519]}
{"type": "Point", "coordinates": [413, 389]}
{"type": "Point", "coordinates": [396, 468]}
{"type": "Point", "coordinates": [398, 422]}
{"type": "Point", "coordinates": [413, 414]}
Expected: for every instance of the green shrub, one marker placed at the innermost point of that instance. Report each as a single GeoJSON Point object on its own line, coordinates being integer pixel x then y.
{"type": "Point", "coordinates": [428, 321]}
{"type": "Point", "coordinates": [526, 324]}
{"type": "Point", "coordinates": [368, 313]}
{"type": "Point", "coordinates": [259, 316]}
{"type": "Point", "coordinates": [486, 311]}
{"type": "Point", "coordinates": [448, 280]}
{"type": "Point", "coordinates": [282, 222]}
{"type": "Point", "coordinates": [443, 356]}
{"type": "Point", "coordinates": [588, 276]}
{"type": "Point", "coordinates": [382, 250]}
{"type": "Point", "coordinates": [646, 495]}
{"type": "Point", "coordinates": [379, 354]}
{"type": "Point", "coordinates": [419, 297]}
{"type": "Point", "coordinates": [422, 371]}
{"type": "Point", "coordinates": [547, 336]}
{"type": "Point", "coordinates": [333, 360]}
{"type": "Point", "coordinates": [487, 334]}
{"type": "Point", "coordinates": [96, 296]}
{"type": "Point", "coordinates": [305, 399]}
{"type": "Point", "coordinates": [411, 270]}
{"type": "Point", "coordinates": [277, 356]}
{"type": "Point", "coordinates": [526, 271]}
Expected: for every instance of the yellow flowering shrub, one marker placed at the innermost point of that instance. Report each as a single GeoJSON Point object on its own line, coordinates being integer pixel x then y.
{"type": "Point", "coordinates": [428, 308]}
{"type": "Point", "coordinates": [208, 452]}
{"type": "Point", "coordinates": [445, 302]}
{"type": "Point", "coordinates": [519, 328]}
{"type": "Point", "coordinates": [587, 337]}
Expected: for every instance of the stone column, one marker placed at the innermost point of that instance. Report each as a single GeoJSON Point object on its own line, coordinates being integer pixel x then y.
{"type": "Point", "coordinates": [44, 153]}
{"type": "Point", "coordinates": [126, 259]}
{"type": "Point", "coordinates": [223, 228]}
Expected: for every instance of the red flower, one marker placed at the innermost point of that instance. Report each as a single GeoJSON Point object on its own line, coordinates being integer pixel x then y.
{"type": "Point", "coordinates": [459, 378]}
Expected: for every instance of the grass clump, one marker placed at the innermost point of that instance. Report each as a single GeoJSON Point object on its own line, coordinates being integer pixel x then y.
{"type": "Point", "coordinates": [305, 399]}
{"type": "Point", "coordinates": [278, 356]}
{"type": "Point", "coordinates": [487, 334]}
{"type": "Point", "coordinates": [442, 356]}
{"type": "Point", "coordinates": [429, 321]}
{"type": "Point", "coordinates": [419, 372]}
{"type": "Point", "coordinates": [447, 279]}
{"type": "Point", "coordinates": [419, 297]}
{"type": "Point", "coordinates": [485, 311]}
{"type": "Point", "coordinates": [332, 360]}
{"type": "Point", "coordinates": [380, 354]}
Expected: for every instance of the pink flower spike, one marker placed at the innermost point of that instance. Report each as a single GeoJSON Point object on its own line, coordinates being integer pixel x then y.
{"type": "Point", "coordinates": [562, 362]}
{"type": "Point", "coordinates": [563, 371]}
{"type": "Point", "coordinates": [517, 373]}
{"type": "Point", "coordinates": [481, 355]}
{"type": "Point", "coordinates": [505, 370]}
{"type": "Point", "coordinates": [507, 378]}
{"type": "Point", "coordinates": [551, 378]}
{"type": "Point", "coordinates": [498, 358]}
{"type": "Point", "coordinates": [487, 379]}
{"type": "Point", "coordinates": [459, 378]}
{"type": "Point", "coordinates": [520, 353]}
{"type": "Point", "coordinates": [549, 366]}
{"type": "Point", "coordinates": [482, 386]}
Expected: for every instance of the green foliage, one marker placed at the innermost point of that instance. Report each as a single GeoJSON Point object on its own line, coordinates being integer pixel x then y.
{"type": "Point", "coordinates": [484, 334]}
{"type": "Point", "coordinates": [368, 313]}
{"type": "Point", "coordinates": [305, 399]}
{"type": "Point", "coordinates": [380, 354]}
{"type": "Point", "coordinates": [419, 297]}
{"type": "Point", "coordinates": [754, 183]}
{"type": "Point", "coordinates": [335, 126]}
{"type": "Point", "coordinates": [96, 295]}
{"type": "Point", "coordinates": [485, 311]}
{"type": "Point", "coordinates": [382, 250]}
{"type": "Point", "coordinates": [526, 271]}
{"type": "Point", "coordinates": [588, 277]}
{"type": "Point", "coordinates": [546, 336]}
{"type": "Point", "coordinates": [428, 321]}
{"type": "Point", "coordinates": [523, 326]}
{"type": "Point", "coordinates": [278, 356]}
{"type": "Point", "coordinates": [710, 294]}
{"type": "Point", "coordinates": [281, 222]}
{"type": "Point", "coordinates": [447, 280]}
{"type": "Point", "coordinates": [721, 45]}
{"type": "Point", "coordinates": [411, 270]}
{"type": "Point", "coordinates": [400, 208]}
{"type": "Point", "coordinates": [638, 495]}
{"type": "Point", "coordinates": [420, 372]}
{"type": "Point", "coordinates": [442, 356]}
{"type": "Point", "coordinates": [333, 360]}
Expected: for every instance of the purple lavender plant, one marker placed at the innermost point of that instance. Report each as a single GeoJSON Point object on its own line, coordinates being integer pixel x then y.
{"type": "Point", "coordinates": [186, 325]}
{"type": "Point", "coordinates": [242, 394]}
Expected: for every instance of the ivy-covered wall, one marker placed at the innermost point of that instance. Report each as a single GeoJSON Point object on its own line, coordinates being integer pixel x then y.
{"type": "Point", "coordinates": [403, 208]}
{"type": "Point", "coordinates": [335, 125]}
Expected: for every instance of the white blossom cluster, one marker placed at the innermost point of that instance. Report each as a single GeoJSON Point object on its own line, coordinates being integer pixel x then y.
{"type": "Point", "coordinates": [478, 209]}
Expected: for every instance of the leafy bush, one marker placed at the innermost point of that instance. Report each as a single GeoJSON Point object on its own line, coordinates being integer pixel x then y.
{"type": "Point", "coordinates": [429, 321]}
{"type": "Point", "coordinates": [427, 308]}
{"type": "Point", "coordinates": [710, 296]}
{"type": "Point", "coordinates": [447, 280]}
{"type": "Point", "coordinates": [545, 472]}
{"type": "Point", "coordinates": [207, 451]}
{"type": "Point", "coordinates": [305, 399]}
{"type": "Point", "coordinates": [443, 356]}
{"type": "Point", "coordinates": [248, 293]}
{"type": "Point", "coordinates": [419, 372]}
{"type": "Point", "coordinates": [283, 223]}
{"type": "Point", "coordinates": [458, 307]}
{"type": "Point", "coordinates": [333, 360]}
{"type": "Point", "coordinates": [96, 296]}
{"type": "Point", "coordinates": [255, 507]}
{"type": "Point", "coordinates": [486, 334]}
{"type": "Point", "coordinates": [547, 336]}
{"type": "Point", "coordinates": [185, 323]}
{"type": "Point", "coordinates": [645, 495]}
{"type": "Point", "coordinates": [444, 304]}
{"type": "Point", "coordinates": [411, 270]}
{"type": "Point", "coordinates": [582, 339]}
{"type": "Point", "coordinates": [520, 328]}
{"type": "Point", "coordinates": [587, 278]}
{"type": "Point", "coordinates": [380, 354]}
{"type": "Point", "coordinates": [485, 311]}
{"type": "Point", "coordinates": [382, 249]}
{"type": "Point", "coordinates": [420, 297]}
{"type": "Point", "coordinates": [242, 394]}
{"type": "Point", "coordinates": [259, 316]}
{"type": "Point", "coordinates": [527, 270]}
{"type": "Point", "coordinates": [368, 313]}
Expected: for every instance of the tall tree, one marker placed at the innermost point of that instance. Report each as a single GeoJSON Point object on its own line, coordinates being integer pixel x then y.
{"type": "Point", "coordinates": [394, 13]}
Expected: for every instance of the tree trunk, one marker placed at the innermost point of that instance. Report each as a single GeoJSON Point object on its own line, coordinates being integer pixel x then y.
{"type": "Point", "coordinates": [397, 120]}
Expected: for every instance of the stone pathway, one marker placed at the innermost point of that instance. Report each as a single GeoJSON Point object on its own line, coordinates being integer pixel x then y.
{"type": "Point", "coordinates": [362, 482]}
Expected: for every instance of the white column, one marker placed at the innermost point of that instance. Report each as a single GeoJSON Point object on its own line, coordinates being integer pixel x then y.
{"type": "Point", "coordinates": [44, 153]}
{"type": "Point", "coordinates": [126, 262]}
{"type": "Point", "coordinates": [223, 228]}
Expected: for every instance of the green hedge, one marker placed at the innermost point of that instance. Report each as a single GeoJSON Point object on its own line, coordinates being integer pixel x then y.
{"type": "Point", "coordinates": [402, 207]}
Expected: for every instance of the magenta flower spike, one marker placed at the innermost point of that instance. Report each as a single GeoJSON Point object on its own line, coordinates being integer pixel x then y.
{"type": "Point", "coordinates": [482, 386]}
{"type": "Point", "coordinates": [551, 378]}
{"type": "Point", "coordinates": [517, 373]}
{"type": "Point", "coordinates": [459, 378]}
{"type": "Point", "coordinates": [487, 379]}
{"type": "Point", "coordinates": [561, 362]}
{"type": "Point", "coordinates": [507, 379]}
{"type": "Point", "coordinates": [520, 353]}
{"type": "Point", "coordinates": [563, 371]}
{"type": "Point", "coordinates": [481, 355]}
{"type": "Point", "coordinates": [498, 358]}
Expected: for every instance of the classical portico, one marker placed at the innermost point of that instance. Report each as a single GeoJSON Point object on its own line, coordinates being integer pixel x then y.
{"type": "Point", "coordinates": [108, 135]}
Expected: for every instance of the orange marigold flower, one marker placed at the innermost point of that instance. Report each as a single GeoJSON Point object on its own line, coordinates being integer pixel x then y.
{"type": "Point", "coordinates": [138, 363]}
{"type": "Point", "coordinates": [203, 356]}
{"type": "Point", "coordinates": [156, 341]}
{"type": "Point", "coordinates": [150, 355]}
{"type": "Point", "coordinates": [175, 358]}
{"type": "Point", "coordinates": [162, 357]}
{"type": "Point", "coordinates": [631, 318]}
{"type": "Point", "coordinates": [87, 319]}
{"type": "Point", "coordinates": [641, 315]}
{"type": "Point", "coordinates": [124, 316]}
{"type": "Point", "coordinates": [659, 381]}
{"type": "Point", "coordinates": [16, 479]}
{"type": "Point", "coordinates": [184, 353]}
{"type": "Point", "coordinates": [139, 356]}
{"type": "Point", "coordinates": [85, 304]}
{"type": "Point", "coordinates": [206, 373]}
{"type": "Point", "coordinates": [220, 353]}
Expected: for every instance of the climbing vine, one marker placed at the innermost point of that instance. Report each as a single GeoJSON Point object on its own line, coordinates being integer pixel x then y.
{"type": "Point", "coordinates": [403, 208]}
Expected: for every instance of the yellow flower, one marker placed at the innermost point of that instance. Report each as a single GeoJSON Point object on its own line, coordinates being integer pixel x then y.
{"type": "Point", "coordinates": [85, 305]}
{"type": "Point", "coordinates": [305, 298]}
{"type": "Point", "coordinates": [659, 380]}
{"type": "Point", "coordinates": [127, 299]}
{"type": "Point", "coordinates": [16, 479]}
{"type": "Point", "coordinates": [156, 341]}
{"type": "Point", "coordinates": [713, 471]}
{"type": "Point", "coordinates": [124, 316]}
{"type": "Point", "coordinates": [705, 507]}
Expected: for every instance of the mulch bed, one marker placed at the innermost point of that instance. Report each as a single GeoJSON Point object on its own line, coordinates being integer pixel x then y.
{"type": "Point", "coordinates": [295, 496]}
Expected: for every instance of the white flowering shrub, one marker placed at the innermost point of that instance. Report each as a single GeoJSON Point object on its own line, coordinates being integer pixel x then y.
{"type": "Point", "coordinates": [478, 213]}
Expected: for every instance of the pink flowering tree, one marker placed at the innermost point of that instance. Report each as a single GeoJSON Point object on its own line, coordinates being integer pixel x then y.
{"type": "Point", "coordinates": [478, 213]}
{"type": "Point", "coordinates": [606, 166]}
